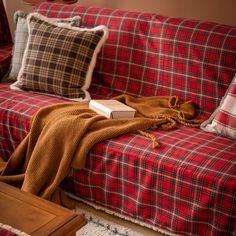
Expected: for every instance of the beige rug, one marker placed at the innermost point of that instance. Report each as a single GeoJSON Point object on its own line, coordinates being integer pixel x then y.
{"type": "Point", "coordinates": [99, 226]}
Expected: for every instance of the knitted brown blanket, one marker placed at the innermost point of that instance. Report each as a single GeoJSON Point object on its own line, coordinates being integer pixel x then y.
{"type": "Point", "coordinates": [62, 135]}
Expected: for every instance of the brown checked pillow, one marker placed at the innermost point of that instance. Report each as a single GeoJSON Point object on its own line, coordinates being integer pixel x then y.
{"type": "Point", "coordinates": [21, 37]}
{"type": "Point", "coordinates": [59, 59]}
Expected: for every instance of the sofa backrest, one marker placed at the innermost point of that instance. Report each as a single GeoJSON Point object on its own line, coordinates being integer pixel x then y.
{"type": "Point", "coordinates": [148, 54]}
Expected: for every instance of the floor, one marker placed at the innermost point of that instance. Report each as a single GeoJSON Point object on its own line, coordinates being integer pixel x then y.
{"type": "Point", "coordinates": [125, 223]}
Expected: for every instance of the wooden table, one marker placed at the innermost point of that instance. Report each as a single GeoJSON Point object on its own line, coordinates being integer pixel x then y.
{"type": "Point", "coordinates": [36, 216]}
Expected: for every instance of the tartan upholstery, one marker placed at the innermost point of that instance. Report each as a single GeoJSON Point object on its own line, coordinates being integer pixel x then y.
{"type": "Point", "coordinates": [188, 185]}
{"type": "Point", "coordinates": [20, 40]}
{"type": "Point", "coordinates": [223, 120]}
{"type": "Point", "coordinates": [5, 34]}
{"type": "Point", "coordinates": [5, 59]}
{"type": "Point", "coordinates": [59, 59]}
{"type": "Point", "coordinates": [17, 107]}
{"type": "Point", "coordinates": [165, 56]}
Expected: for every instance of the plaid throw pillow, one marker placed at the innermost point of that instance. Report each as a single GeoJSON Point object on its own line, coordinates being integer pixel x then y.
{"type": "Point", "coordinates": [59, 59]}
{"type": "Point", "coordinates": [223, 120]}
{"type": "Point", "coordinates": [21, 37]}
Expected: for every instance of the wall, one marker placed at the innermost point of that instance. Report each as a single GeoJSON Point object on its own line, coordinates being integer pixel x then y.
{"type": "Point", "coordinates": [11, 6]}
{"type": "Point", "coordinates": [222, 11]}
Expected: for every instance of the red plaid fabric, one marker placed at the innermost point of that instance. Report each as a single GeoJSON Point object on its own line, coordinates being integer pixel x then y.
{"type": "Point", "coordinates": [5, 59]}
{"type": "Point", "coordinates": [16, 109]}
{"type": "Point", "coordinates": [188, 185]}
{"type": "Point", "coordinates": [148, 54]}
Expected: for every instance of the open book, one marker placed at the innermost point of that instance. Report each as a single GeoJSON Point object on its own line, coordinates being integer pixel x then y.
{"type": "Point", "coordinates": [112, 109]}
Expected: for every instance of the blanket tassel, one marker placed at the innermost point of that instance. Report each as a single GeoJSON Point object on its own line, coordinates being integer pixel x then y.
{"type": "Point", "coordinates": [155, 143]}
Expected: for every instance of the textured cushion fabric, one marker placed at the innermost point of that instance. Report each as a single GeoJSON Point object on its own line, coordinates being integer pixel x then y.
{"type": "Point", "coordinates": [59, 59]}
{"type": "Point", "coordinates": [223, 120]}
{"type": "Point", "coordinates": [5, 34]}
{"type": "Point", "coordinates": [21, 36]}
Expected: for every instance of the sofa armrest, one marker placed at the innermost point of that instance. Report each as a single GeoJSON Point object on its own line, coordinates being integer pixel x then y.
{"type": "Point", "coordinates": [5, 59]}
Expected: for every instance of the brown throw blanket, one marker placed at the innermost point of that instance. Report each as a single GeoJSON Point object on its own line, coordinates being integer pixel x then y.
{"type": "Point", "coordinates": [62, 135]}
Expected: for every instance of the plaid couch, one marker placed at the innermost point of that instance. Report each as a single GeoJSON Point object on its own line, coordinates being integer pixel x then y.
{"type": "Point", "coordinates": [188, 185]}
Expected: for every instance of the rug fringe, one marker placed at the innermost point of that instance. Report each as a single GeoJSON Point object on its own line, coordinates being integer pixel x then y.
{"type": "Point", "coordinates": [13, 230]}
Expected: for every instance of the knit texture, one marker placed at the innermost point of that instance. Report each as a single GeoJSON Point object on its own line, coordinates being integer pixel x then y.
{"type": "Point", "coordinates": [62, 135]}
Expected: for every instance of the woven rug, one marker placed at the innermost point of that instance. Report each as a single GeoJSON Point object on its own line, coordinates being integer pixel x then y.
{"type": "Point", "coordinates": [7, 230]}
{"type": "Point", "coordinates": [98, 226]}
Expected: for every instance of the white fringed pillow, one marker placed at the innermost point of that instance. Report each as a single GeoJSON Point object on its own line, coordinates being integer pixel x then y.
{"type": "Point", "coordinates": [223, 120]}
{"type": "Point", "coordinates": [59, 59]}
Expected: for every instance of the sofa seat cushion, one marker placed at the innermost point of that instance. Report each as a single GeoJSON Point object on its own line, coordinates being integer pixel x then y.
{"type": "Point", "coordinates": [188, 183]}
{"type": "Point", "coordinates": [194, 172]}
{"type": "Point", "coordinates": [5, 59]}
{"type": "Point", "coordinates": [17, 107]}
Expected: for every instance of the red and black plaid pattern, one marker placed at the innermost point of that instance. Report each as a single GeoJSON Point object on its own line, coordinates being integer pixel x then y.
{"type": "Point", "coordinates": [57, 60]}
{"type": "Point", "coordinates": [5, 34]}
{"type": "Point", "coordinates": [187, 186]}
{"type": "Point", "coordinates": [148, 54]}
{"type": "Point", "coordinates": [16, 110]}
{"type": "Point", "coordinates": [5, 59]}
